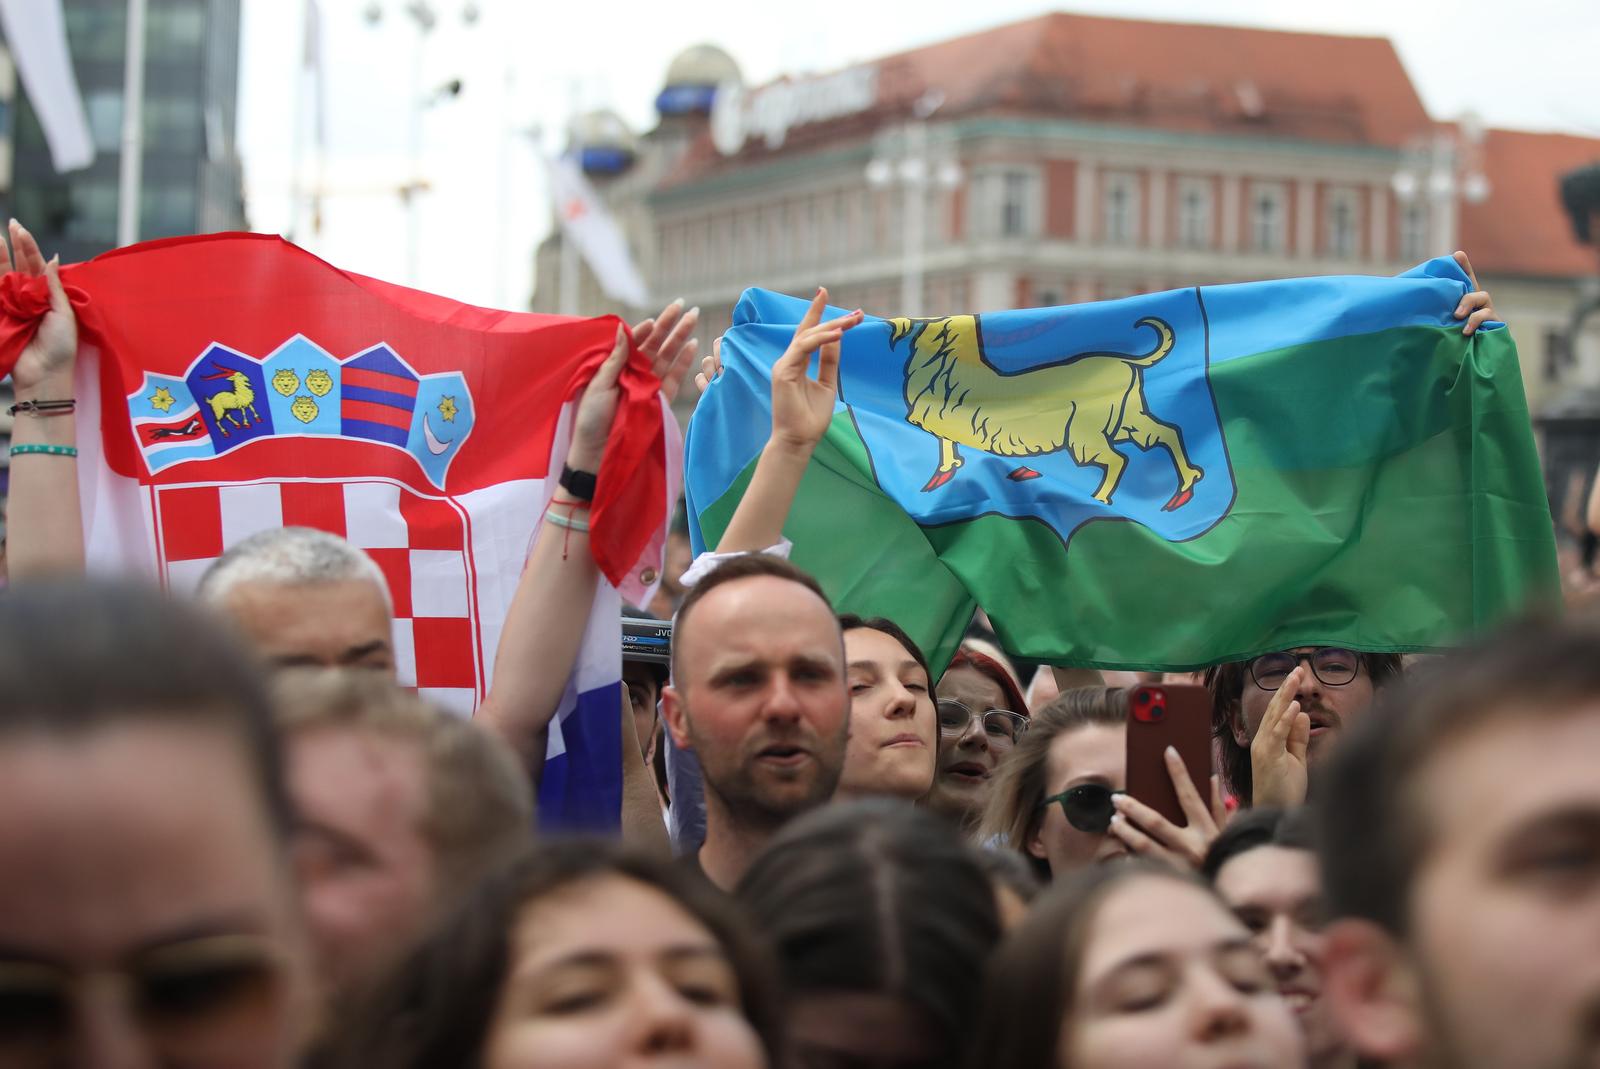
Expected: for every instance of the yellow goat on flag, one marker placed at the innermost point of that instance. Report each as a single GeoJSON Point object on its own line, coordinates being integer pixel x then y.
{"type": "Point", "coordinates": [1085, 403]}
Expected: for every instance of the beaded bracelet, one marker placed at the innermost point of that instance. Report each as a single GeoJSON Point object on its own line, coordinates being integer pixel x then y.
{"type": "Point", "coordinates": [47, 450]}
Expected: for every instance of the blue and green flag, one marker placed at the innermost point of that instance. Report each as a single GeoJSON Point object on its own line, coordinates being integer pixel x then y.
{"type": "Point", "coordinates": [1165, 481]}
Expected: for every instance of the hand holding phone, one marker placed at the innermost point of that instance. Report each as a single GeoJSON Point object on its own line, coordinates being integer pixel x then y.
{"type": "Point", "coordinates": [1164, 813]}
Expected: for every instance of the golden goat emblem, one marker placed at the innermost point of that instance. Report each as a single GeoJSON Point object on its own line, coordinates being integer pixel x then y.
{"type": "Point", "coordinates": [1086, 404]}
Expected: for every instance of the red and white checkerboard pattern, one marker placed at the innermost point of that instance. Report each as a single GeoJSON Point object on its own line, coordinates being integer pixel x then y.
{"type": "Point", "coordinates": [420, 542]}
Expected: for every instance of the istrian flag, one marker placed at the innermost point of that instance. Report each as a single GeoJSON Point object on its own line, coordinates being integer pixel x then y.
{"type": "Point", "coordinates": [1165, 481]}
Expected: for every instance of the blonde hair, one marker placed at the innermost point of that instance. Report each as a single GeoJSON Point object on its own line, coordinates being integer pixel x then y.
{"type": "Point", "coordinates": [480, 805]}
{"type": "Point", "coordinates": [1012, 814]}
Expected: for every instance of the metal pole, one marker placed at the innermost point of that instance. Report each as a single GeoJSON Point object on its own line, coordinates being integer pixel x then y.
{"type": "Point", "coordinates": [131, 174]}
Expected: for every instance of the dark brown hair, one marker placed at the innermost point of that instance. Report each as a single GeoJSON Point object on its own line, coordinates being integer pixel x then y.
{"type": "Point", "coordinates": [1373, 824]}
{"type": "Point", "coordinates": [743, 566]}
{"type": "Point", "coordinates": [878, 896]}
{"type": "Point", "coordinates": [436, 1009]}
{"type": "Point", "coordinates": [1292, 829]}
{"type": "Point", "coordinates": [1032, 976]}
{"type": "Point", "coordinates": [77, 657]}
{"type": "Point", "coordinates": [1227, 681]}
{"type": "Point", "coordinates": [849, 621]}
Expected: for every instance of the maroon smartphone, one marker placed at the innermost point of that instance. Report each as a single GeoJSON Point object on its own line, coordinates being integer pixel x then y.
{"type": "Point", "coordinates": [1162, 715]}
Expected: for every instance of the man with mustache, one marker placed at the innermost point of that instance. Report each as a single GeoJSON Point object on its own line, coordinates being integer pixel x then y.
{"type": "Point", "coordinates": [1461, 860]}
{"type": "Point", "coordinates": [1278, 714]}
{"type": "Point", "coordinates": [758, 693]}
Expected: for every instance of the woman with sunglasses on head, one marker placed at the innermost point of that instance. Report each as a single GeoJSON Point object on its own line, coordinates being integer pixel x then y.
{"type": "Point", "coordinates": [581, 955]}
{"type": "Point", "coordinates": [1135, 966]}
{"type": "Point", "coordinates": [1060, 798]}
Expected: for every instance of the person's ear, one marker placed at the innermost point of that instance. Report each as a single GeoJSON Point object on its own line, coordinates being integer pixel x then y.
{"type": "Point", "coordinates": [675, 715]}
{"type": "Point", "coordinates": [1373, 991]}
{"type": "Point", "coordinates": [1236, 724]}
{"type": "Point", "coordinates": [1035, 844]}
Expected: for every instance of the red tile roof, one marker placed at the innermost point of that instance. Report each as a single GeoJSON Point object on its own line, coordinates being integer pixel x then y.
{"type": "Point", "coordinates": [1521, 228]}
{"type": "Point", "coordinates": [1164, 75]}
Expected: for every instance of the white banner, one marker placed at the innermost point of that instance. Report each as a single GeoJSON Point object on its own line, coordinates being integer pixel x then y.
{"type": "Point", "coordinates": [586, 223]}
{"type": "Point", "coordinates": [38, 38]}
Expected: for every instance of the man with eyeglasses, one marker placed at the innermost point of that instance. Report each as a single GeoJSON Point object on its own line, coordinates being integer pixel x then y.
{"type": "Point", "coordinates": [1276, 715]}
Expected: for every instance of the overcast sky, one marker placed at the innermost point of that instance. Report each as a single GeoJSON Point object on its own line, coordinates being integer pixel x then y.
{"type": "Point", "coordinates": [527, 64]}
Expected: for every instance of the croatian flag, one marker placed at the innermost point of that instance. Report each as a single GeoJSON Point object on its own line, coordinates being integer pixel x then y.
{"type": "Point", "coordinates": [233, 383]}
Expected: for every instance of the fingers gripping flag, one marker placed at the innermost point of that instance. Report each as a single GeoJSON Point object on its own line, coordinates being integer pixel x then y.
{"type": "Point", "coordinates": [234, 383]}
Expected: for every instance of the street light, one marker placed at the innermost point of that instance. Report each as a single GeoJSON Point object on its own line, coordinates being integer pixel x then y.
{"type": "Point", "coordinates": [906, 162]}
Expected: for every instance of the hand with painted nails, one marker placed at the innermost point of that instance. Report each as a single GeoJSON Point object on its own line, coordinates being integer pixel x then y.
{"type": "Point", "coordinates": [802, 407]}
{"type": "Point", "coordinates": [668, 340]}
{"type": "Point", "coordinates": [1149, 834]}
{"type": "Point", "coordinates": [1476, 307]}
{"type": "Point", "coordinates": [1279, 753]}
{"type": "Point", "coordinates": [46, 363]}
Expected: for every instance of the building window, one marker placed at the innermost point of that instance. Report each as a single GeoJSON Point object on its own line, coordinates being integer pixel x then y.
{"type": "Point", "coordinates": [104, 110]}
{"type": "Point", "coordinates": [93, 212]}
{"type": "Point", "coordinates": [777, 226]}
{"type": "Point", "coordinates": [1268, 211]}
{"type": "Point", "coordinates": [697, 251]}
{"type": "Point", "coordinates": [1194, 213]}
{"type": "Point", "coordinates": [1119, 215]}
{"type": "Point", "coordinates": [1344, 224]}
{"type": "Point", "coordinates": [840, 245]}
{"type": "Point", "coordinates": [1005, 204]}
{"type": "Point", "coordinates": [1414, 231]}
{"type": "Point", "coordinates": [1013, 204]}
{"type": "Point", "coordinates": [167, 210]}
{"type": "Point", "coordinates": [806, 222]}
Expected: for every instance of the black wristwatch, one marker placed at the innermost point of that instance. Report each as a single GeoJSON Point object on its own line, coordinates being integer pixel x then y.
{"type": "Point", "coordinates": [580, 484]}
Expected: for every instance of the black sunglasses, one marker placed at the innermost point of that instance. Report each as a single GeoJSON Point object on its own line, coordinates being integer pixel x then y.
{"type": "Point", "coordinates": [1087, 806]}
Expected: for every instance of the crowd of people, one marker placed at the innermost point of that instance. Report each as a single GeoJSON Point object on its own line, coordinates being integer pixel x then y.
{"type": "Point", "coordinates": [229, 838]}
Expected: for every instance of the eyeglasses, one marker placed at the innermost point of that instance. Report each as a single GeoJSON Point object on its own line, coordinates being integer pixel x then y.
{"type": "Point", "coordinates": [1087, 806]}
{"type": "Point", "coordinates": [1333, 666]}
{"type": "Point", "coordinates": [1002, 726]}
{"type": "Point", "coordinates": [219, 993]}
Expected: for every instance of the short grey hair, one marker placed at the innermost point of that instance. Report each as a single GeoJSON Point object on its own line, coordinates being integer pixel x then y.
{"type": "Point", "coordinates": [290, 556]}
